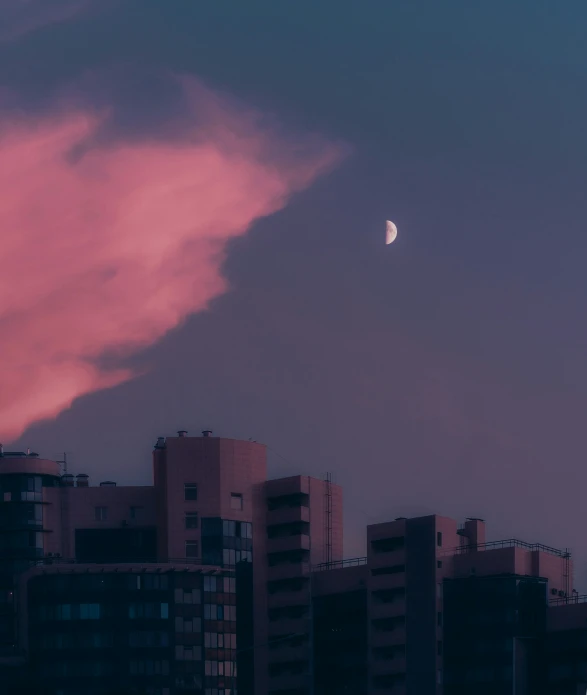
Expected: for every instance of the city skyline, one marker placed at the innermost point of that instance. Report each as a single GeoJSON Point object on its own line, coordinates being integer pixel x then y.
{"type": "Point", "coordinates": [216, 579]}
{"type": "Point", "coordinates": [445, 373]}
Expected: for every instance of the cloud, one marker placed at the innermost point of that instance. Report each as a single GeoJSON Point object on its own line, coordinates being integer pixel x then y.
{"type": "Point", "coordinates": [20, 17]}
{"type": "Point", "coordinates": [106, 247]}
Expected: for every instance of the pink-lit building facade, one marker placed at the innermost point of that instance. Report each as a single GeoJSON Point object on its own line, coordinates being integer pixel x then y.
{"type": "Point", "coordinates": [215, 580]}
{"type": "Point", "coordinates": [211, 509]}
{"type": "Point", "coordinates": [429, 584]}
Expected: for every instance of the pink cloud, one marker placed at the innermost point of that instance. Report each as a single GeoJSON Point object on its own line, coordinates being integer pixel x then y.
{"type": "Point", "coordinates": [104, 253]}
{"type": "Point", "coordinates": [20, 17]}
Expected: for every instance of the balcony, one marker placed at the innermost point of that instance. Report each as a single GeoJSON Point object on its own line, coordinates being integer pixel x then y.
{"type": "Point", "coordinates": [393, 666]}
{"type": "Point", "coordinates": [290, 626]}
{"type": "Point", "coordinates": [286, 652]}
{"type": "Point", "coordinates": [284, 544]}
{"type": "Point", "coordinates": [288, 515]}
{"type": "Point", "coordinates": [283, 599]}
{"type": "Point", "coordinates": [392, 609]}
{"type": "Point", "coordinates": [387, 581]}
{"type": "Point", "coordinates": [391, 638]}
{"type": "Point", "coordinates": [289, 682]}
{"type": "Point", "coordinates": [288, 570]}
{"type": "Point", "coordinates": [388, 559]}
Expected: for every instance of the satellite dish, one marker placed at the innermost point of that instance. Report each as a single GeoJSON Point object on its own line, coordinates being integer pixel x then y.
{"type": "Point", "coordinates": [390, 232]}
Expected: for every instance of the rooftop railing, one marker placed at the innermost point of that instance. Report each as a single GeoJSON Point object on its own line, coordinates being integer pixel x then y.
{"type": "Point", "coordinates": [339, 564]}
{"type": "Point", "coordinates": [508, 543]}
{"type": "Point", "coordinates": [567, 600]}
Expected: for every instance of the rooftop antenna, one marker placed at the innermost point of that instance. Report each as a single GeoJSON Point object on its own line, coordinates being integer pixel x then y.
{"type": "Point", "coordinates": [63, 462]}
{"type": "Point", "coordinates": [328, 518]}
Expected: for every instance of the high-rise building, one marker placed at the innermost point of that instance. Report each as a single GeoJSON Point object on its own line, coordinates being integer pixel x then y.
{"type": "Point", "coordinates": [304, 529]}
{"type": "Point", "coordinates": [211, 525]}
{"type": "Point", "coordinates": [217, 581]}
{"type": "Point", "coordinates": [448, 612]}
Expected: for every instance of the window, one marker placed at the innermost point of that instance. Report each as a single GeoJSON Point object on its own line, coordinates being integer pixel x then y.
{"type": "Point", "coordinates": [439, 648]}
{"type": "Point", "coordinates": [89, 611]}
{"type": "Point", "coordinates": [236, 501]}
{"type": "Point", "coordinates": [101, 513]}
{"type": "Point", "coordinates": [187, 596]}
{"type": "Point", "coordinates": [213, 640]}
{"type": "Point", "coordinates": [63, 611]}
{"type": "Point", "coordinates": [220, 668]}
{"type": "Point", "coordinates": [188, 624]}
{"type": "Point", "coordinates": [191, 520]}
{"type": "Point", "coordinates": [229, 585]}
{"type": "Point", "coordinates": [188, 653]}
{"type": "Point", "coordinates": [190, 492]}
{"type": "Point", "coordinates": [135, 512]}
{"type": "Point", "coordinates": [211, 612]}
{"type": "Point", "coordinates": [387, 545]}
{"type": "Point", "coordinates": [394, 569]}
{"type": "Point", "coordinates": [439, 619]}
{"type": "Point", "coordinates": [34, 514]}
{"type": "Point", "coordinates": [191, 549]}
{"type": "Point", "coordinates": [439, 538]}
{"type": "Point", "coordinates": [439, 564]}
{"type": "Point", "coordinates": [152, 611]}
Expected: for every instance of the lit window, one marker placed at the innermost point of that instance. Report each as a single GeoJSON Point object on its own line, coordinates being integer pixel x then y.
{"type": "Point", "coordinates": [236, 501]}
{"type": "Point", "coordinates": [101, 513]}
{"type": "Point", "coordinates": [191, 549]}
{"type": "Point", "coordinates": [191, 520]}
{"type": "Point", "coordinates": [190, 492]}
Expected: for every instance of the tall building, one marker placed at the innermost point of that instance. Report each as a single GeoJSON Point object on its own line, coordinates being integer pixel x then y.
{"type": "Point", "coordinates": [340, 629]}
{"type": "Point", "coordinates": [304, 528]}
{"type": "Point", "coordinates": [176, 587]}
{"type": "Point", "coordinates": [448, 612]}
{"type": "Point", "coordinates": [217, 581]}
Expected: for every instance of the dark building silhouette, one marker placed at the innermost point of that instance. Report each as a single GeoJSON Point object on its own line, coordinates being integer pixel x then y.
{"type": "Point", "coordinates": [210, 516]}
{"type": "Point", "coordinates": [217, 581]}
{"type": "Point", "coordinates": [340, 630]}
{"type": "Point", "coordinates": [494, 633]}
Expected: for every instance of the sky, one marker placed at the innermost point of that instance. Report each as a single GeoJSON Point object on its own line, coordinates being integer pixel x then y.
{"type": "Point", "coordinates": [193, 212]}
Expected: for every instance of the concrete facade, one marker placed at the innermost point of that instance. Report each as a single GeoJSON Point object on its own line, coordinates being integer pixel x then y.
{"type": "Point", "coordinates": [413, 617]}
{"type": "Point", "coordinates": [211, 505]}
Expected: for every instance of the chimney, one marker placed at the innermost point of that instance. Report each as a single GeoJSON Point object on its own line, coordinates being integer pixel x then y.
{"type": "Point", "coordinates": [160, 443]}
{"type": "Point", "coordinates": [67, 479]}
{"type": "Point", "coordinates": [206, 433]}
{"type": "Point", "coordinates": [82, 480]}
{"type": "Point", "coordinates": [182, 433]}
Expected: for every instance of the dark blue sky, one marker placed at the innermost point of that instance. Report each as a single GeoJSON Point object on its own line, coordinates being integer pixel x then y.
{"type": "Point", "coordinates": [443, 374]}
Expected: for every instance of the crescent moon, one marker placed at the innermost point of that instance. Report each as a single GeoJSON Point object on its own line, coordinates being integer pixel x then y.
{"type": "Point", "coordinates": [390, 232]}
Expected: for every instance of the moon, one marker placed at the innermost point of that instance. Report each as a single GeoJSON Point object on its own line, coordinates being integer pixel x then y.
{"type": "Point", "coordinates": [390, 232]}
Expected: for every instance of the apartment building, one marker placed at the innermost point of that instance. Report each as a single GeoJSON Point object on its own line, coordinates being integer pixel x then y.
{"type": "Point", "coordinates": [215, 580]}
{"type": "Point", "coordinates": [210, 516]}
